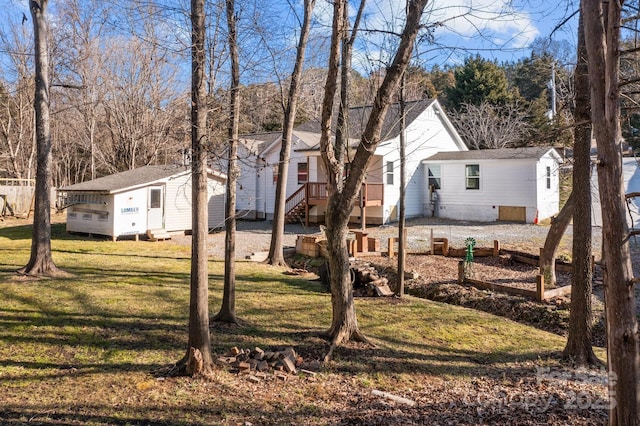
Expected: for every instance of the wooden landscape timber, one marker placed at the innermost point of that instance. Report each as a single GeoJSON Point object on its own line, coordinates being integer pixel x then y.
{"type": "Point", "coordinates": [539, 294]}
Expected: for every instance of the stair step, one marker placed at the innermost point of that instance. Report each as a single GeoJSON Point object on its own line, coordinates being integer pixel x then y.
{"type": "Point", "coordinates": [158, 235]}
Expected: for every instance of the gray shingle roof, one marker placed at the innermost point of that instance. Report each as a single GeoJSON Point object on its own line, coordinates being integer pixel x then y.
{"type": "Point", "coordinates": [493, 154]}
{"type": "Point", "coordinates": [128, 179]}
{"type": "Point", "coordinates": [358, 117]}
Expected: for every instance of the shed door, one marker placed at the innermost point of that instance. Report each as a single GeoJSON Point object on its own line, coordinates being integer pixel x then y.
{"type": "Point", "coordinates": [155, 208]}
{"type": "Point", "coordinates": [512, 214]}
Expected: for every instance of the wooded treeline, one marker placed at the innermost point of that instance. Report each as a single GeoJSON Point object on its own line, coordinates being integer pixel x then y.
{"type": "Point", "coordinates": [120, 88]}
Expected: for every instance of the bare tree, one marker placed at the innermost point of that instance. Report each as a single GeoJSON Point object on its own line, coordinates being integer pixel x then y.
{"type": "Point", "coordinates": [41, 260]}
{"type": "Point", "coordinates": [276, 255]}
{"type": "Point", "coordinates": [552, 241]}
{"type": "Point", "coordinates": [228, 310]}
{"type": "Point", "coordinates": [487, 126]}
{"type": "Point", "coordinates": [342, 194]}
{"type": "Point", "coordinates": [198, 359]}
{"type": "Point", "coordinates": [602, 22]}
{"type": "Point", "coordinates": [16, 103]}
{"type": "Point", "coordinates": [578, 348]}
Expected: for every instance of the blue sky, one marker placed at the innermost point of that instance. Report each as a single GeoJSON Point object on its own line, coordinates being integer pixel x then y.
{"type": "Point", "coordinates": [503, 30]}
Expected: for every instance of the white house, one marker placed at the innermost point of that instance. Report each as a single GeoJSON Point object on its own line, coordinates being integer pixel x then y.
{"type": "Point", "coordinates": [517, 184]}
{"type": "Point", "coordinates": [148, 199]}
{"type": "Point", "coordinates": [428, 131]}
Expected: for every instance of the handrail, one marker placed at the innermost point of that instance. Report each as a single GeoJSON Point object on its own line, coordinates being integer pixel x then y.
{"type": "Point", "coordinates": [317, 191]}
{"type": "Point", "coordinates": [295, 199]}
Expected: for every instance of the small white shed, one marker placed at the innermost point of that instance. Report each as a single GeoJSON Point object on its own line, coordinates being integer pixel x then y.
{"type": "Point", "coordinates": [149, 198]}
{"type": "Point", "coordinates": [511, 184]}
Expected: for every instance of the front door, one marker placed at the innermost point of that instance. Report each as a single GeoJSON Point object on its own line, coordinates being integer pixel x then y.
{"type": "Point", "coordinates": [155, 208]}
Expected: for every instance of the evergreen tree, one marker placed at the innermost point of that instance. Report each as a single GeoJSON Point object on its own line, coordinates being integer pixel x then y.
{"type": "Point", "coordinates": [477, 81]}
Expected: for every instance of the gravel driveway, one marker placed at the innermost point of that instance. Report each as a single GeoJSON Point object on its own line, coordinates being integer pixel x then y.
{"type": "Point", "coordinates": [254, 236]}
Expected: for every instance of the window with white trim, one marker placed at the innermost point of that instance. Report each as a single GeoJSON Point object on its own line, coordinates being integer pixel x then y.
{"type": "Point", "coordinates": [472, 176]}
{"type": "Point", "coordinates": [435, 176]}
{"type": "Point", "coordinates": [389, 172]}
{"type": "Point", "coordinates": [548, 177]}
{"type": "Point", "coordinates": [303, 173]}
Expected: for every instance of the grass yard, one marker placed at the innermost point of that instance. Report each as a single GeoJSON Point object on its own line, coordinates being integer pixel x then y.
{"type": "Point", "coordinates": [90, 348]}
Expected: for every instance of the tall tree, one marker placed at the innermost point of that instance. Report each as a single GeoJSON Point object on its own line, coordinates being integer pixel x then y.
{"type": "Point", "coordinates": [578, 348]}
{"type": "Point", "coordinates": [228, 309]}
{"type": "Point", "coordinates": [276, 254]}
{"type": "Point", "coordinates": [198, 359]}
{"type": "Point", "coordinates": [342, 193]}
{"type": "Point", "coordinates": [602, 22]}
{"type": "Point", "coordinates": [41, 260]}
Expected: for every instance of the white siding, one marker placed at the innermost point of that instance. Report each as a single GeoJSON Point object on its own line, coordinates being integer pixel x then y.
{"type": "Point", "coordinates": [130, 212]}
{"type": "Point", "coordinates": [425, 136]}
{"type": "Point", "coordinates": [216, 190]}
{"type": "Point", "coordinates": [95, 218]}
{"type": "Point", "coordinates": [177, 216]}
{"type": "Point", "coordinates": [272, 158]}
{"type": "Point", "coordinates": [548, 198]}
{"type": "Point", "coordinates": [246, 188]}
{"type": "Point", "coordinates": [514, 183]}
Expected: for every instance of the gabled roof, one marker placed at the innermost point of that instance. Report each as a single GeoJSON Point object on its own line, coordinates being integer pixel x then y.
{"type": "Point", "coordinates": [258, 142]}
{"type": "Point", "coordinates": [302, 141]}
{"type": "Point", "coordinates": [358, 117]}
{"type": "Point", "coordinates": [496, 154]}
{"type": "Point", "coordinates": [132, 179]}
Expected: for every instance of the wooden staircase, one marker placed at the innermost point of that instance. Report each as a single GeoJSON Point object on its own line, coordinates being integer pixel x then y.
{"type": "Point", "coordinates": [295, 210]}
{"type": "Point", "coordinates": [158, 235]}
{"type": "Point", "coordinates": [297, 213]}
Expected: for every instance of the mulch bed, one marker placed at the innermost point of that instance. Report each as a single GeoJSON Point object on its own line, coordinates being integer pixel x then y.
{"type": "Point", "coordinates": [438, 281]}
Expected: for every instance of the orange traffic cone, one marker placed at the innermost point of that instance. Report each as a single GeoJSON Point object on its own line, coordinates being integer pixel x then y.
{"type": "Point", "coordinates": [535, 219]}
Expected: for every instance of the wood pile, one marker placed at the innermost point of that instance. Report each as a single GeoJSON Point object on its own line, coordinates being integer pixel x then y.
{"type": "Point", "coordinates": [260, 364]}
{"type": "Point", "coordinates": [366, 280]}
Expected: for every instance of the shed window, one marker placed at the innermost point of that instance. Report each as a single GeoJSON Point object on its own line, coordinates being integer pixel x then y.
{"type": "Point", "coordinates": [472, 176]}
{"type": "Point", "coordinates": [303, 175]}
{"type": "Point", "coordinates": [548, 177]}
{"type": "Point", "coordinates": [389, 172]}
{"type": "Point", "coordinates": [155, 202]}
{"type": "Point", "coordinates": [435, 176]}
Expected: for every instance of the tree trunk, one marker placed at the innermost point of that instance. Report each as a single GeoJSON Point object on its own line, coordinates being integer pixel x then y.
{"type": "Point", "coordinates": [402, 250]}
{"type": "Point", "coordinates": [551, 243]}
{"type": "Point", "coordinates": [344, 325]}
{"type": "Point", "coordinates": [603, 41]}
{"type": "Point", "coordinates": [41, 260]}
{"type": "Point", "coordinates": [276, 254]}
{"type": "Point", "coordinates": [228, 309]}
{"type": "Point", "coordinates": [199, 345]}
{"type": "Point", "coordinates": [578, 348]}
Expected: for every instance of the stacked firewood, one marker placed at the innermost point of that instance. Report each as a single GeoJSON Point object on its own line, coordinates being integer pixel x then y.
{"type": "Point", "coordinates": [258, 362]}
{"type": "Point", "coordinates": [367, 281]}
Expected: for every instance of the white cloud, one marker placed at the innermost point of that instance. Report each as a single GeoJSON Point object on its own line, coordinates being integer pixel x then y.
{"type": "Point", "coordinates": [497, 21]}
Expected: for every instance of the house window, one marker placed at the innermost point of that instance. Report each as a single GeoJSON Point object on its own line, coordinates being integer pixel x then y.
{"type": "Point", "coordinates": [548, 177]}
{"type": "Point", "coordinates": [472, 176]}
{"type": "Point", "coordinates": [435, 177]}
{"type": "Point", "coordinates": [155, 202]}
{"type": "Point", "coordinates": [275, 174]}
{"type": "Point", "coordinates": [303, 175]}
{"type": "Point", "coordinates": [389, 172]}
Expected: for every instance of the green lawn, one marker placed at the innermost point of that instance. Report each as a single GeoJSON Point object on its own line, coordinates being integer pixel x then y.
{"type": "Point", "coordinates": [87, 349]}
